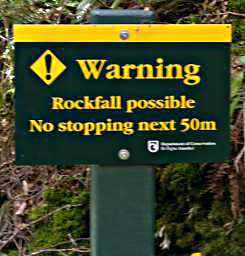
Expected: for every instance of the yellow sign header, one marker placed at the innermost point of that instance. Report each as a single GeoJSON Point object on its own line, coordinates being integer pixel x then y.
{"type": "Point", "coordinates": [111, 33]}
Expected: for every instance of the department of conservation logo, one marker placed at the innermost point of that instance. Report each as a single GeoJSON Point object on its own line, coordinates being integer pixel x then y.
{"type": "Point", "coordinates": [153, 146]}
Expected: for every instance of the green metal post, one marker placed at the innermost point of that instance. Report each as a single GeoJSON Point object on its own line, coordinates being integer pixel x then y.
{"type": "Point", "coordinates": [122, 198]}
{"type": "Point", "coordinates": [122, 211]}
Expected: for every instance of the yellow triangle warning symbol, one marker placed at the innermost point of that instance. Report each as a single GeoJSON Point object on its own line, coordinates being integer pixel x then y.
{"type": "Point", "coordinates": [48, 67]}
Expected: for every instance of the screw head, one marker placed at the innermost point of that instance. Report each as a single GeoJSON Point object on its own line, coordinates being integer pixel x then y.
{"type": "Point", "coordinates": [123, 154]}
{"type": "Point", "coordinates": [124, 34]}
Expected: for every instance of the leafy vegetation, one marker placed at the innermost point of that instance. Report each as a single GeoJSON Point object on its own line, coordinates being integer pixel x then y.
{"type": "Point", "coordinates": [71, 221]}
{"type": "Point", "coordinates": [199, 207]}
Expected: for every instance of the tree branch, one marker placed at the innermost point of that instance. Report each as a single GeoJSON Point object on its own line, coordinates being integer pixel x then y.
{"type": "Point", "coordinates": [25, 226]}
{"type": "Point", "coordinates": [237, 14]}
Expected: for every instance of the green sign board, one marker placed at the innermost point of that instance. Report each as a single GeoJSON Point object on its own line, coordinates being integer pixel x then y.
{"type": "Point", "coordinates": [121, 94]}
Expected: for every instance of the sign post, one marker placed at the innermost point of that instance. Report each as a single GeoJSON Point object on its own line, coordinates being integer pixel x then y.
{"type": "Point", "coordinates": [123, 97]}
{"type": "Point", "coordinates": [123, 197]}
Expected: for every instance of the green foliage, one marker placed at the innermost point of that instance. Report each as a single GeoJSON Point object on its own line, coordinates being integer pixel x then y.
{"type": "Point", "coordinates": [237, 6]}
{"type": "Point", "coordinates": [180, 189]}
{"type": "Point", "coordinates": [225, 243]}
{"type": "Point", "coordinates": [242, 59]}
{"type": "Point", "coordinates": [236, 95]}
{"type": "Point", "coordinates": [238, 50]}
{"type": "Point", "coordinates": [191, 218]}
{"type": "Point", "coordinates": [70, 220]}
{"type": "Point", "coordinates": [10, 253]}
{"type": "Point", "coordinates": [13, 253]}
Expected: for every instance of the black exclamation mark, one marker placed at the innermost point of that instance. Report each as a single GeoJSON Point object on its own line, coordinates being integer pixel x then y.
{"type": "Point", "coordinates": [48, 60]}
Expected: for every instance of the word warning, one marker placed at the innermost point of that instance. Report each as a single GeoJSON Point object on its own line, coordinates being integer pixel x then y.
{"type": "Point", "coordinates": [83, 94]}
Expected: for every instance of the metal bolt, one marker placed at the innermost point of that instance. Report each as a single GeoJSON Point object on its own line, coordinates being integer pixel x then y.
{"type": "Point", "coordinates": [124, 34]}
{"type": "Point", "coordinates": [123, 154]}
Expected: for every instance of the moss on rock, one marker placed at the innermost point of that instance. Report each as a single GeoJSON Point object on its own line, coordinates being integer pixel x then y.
{"type": "Point", "coordinates": [191, 218]}
{"type": "Point", "coordinates": [71, 220]}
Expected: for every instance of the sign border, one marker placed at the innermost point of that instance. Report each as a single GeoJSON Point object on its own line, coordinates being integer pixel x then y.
{"type": "Point", "coordinates": [111, 33]}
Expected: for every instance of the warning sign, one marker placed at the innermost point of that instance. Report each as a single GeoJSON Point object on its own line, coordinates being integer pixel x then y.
{"type": "Point", "coordinates": [48, 67]}
{"type": "Point", "coordinates": [84, 95]}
